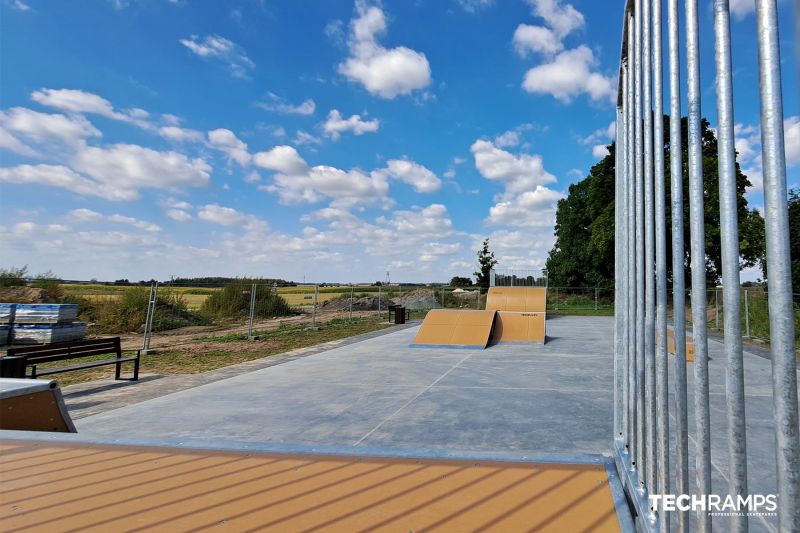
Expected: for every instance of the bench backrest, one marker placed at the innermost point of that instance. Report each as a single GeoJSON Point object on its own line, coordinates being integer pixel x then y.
{"type": "Point", "coordinates": [59, 351]}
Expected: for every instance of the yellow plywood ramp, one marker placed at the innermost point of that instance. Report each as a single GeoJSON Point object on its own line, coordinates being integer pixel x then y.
{"type": "Point", "coordinates": [520, 299]}
{"type": "Point", "coordinates": [455, 329]}
{"type": "Point", "coordinates": [516, 327]}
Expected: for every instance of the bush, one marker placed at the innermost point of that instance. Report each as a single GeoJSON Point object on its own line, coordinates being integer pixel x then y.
{"type": "Point", "coordinates": [129, 312]}
{"type": "Point", "coordinates": [233, 302]}
{"type": "Point", "coordinates": [13, 277]}
{"type": "Point", "coordinates": [50, 285]}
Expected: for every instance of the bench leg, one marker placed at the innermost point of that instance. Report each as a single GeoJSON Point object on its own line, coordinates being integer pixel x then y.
{"type": "Point", "coordinates": [136, 369]}
{"type": "Point", "coordinates": [118, 374]}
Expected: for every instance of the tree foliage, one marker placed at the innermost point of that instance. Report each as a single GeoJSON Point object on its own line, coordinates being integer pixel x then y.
{"type": "Point", "coordinates": [460, 281]}
{"type": "Point", "coordinates": [794, 237]}
{"type": "Point", "coordinates": [583, 254]}
{"type": "Point", "coordinates": [486, 262]}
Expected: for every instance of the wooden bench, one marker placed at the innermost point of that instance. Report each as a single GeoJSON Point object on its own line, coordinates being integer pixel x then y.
{"type": "Point", "coordinates": [15, 364]}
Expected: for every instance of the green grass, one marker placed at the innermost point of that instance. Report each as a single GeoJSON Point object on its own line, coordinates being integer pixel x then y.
{"type": "Point", "coordinates": [211, 353]}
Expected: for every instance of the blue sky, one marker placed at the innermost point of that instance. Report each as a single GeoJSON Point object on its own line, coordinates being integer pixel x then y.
{"type": "Point", "coordinates": [317, 140]}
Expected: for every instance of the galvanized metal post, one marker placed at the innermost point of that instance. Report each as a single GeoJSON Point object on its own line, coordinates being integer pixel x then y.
{"type": "Point", "coordinates": [698, 264]}
{"type": "Point", "coordinates": [746, 315]}
{"type": "Point", "coordinates": [641, 417]}
{"type": "Point", "coordinates": [632, 267]}
{"type": "Point", "coordinates": [152, 302]}
{"type": "Point", "coordinates": [648, 475]}
{"type": "Point", "coordinates": [716, 309]}
{"type": "Point", "coordinates": [379, 301]}
{"type": "Point", "coordinates": [781, 312]}
{"type": "Point", "coordinates": [252, 312]}
{"type": "Point", "coordinates": [618, 321]}
{"type": "Point", "coordinates": [478, 298]}
{"type": "Point", "coordinates": [314, 309]}
{"type": "Point", "coordinates": [729, 235]}
{"type": "Point", "coordinates": [350, 317]}
{"type": "Point", "coordinates": [678, 284]}
{"type": "Point", "coordinates": [661, 357]}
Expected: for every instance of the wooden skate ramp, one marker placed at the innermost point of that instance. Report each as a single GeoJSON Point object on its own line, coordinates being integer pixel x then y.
{"type": "Point", "coordinates": [33, 405]}
{"type": "Point", "coordinates": [513, 327]}
{"type": "Point", "coordinates": [448, 328]}
{"type": "Point", "coordinates": [61, 486]}
{"type": "Point", "coordinates": [521, 299]}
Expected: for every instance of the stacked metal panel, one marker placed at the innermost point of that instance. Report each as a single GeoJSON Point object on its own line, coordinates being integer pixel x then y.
{"type": "Point", "coordinates": [7, 313]}
{"type": "Point", "coordinates": [45, 313]}
{"type": "Point", "coordinates": [39, 323]}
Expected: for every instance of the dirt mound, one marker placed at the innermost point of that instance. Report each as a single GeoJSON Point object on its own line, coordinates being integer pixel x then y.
{"type": "Point", "coordinates": [21, 295]}
{"type": "Point", "coordinates": [418, 299]}
{"type": "Point", "coordinates": [368, 303]}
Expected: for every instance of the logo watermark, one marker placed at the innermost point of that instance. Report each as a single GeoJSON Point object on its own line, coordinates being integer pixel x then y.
{"type": "Point", "coordinates": [716, 504]}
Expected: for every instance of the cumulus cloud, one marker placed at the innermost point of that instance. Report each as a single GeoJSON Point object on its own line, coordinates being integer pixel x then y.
{"type": "Point", "coordinates": [178, 134]}
{"type": "Point", "coordinates": [563, 18]}
{"type": "Point", "coordinates": [179, 215]}
{"type": "Point", "coordinates": [224, 216]}
{"type": "Point", "coordinates": [742, 8]}
{"type": "Point", "coordinates": [39, 128]}
{"type": "Point", "coordinates": [385, 72]}
{"type": "Point", "coordinates": [126, 168]}
{"type": "Point", "coordinates": [76, 101]}
{"type": "Point", "coordinates": [87, 215]}
{"type": "Point", "coordinates": [518, 173]}
{"type": "Point", "coordinates": [278, 105]}
{"type": "Point", "coordinates": [416, 175]}
{"type": "Point", "coordinates": [283, 159]}
{"type": "Point", "coordinates": [748, 148]}
{"type": "Point", "coordinates": [226, 142]}
{"type": "Point", "coordinates": [525, 201]}
{"type": "Point", "coordinates": [223, 50]}
{"type": "Point", "coordinates": [600, 150]}
{"type": "Point", "coordinates": [539, 39]}
{"type": "Point", "coordinates": [335, 125]}
{"type": "Point", "coordinates": [343, 188]}
{"type": "Point", "coordinates": [568, 75]}
{"type": "Point", "coordinates": [65, 178]}
{"type": "Point", "coordinates": [791, 128]}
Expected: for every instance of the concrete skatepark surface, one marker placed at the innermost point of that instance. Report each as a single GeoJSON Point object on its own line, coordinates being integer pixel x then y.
{"type": "Point", "coordinates": [379, 393]}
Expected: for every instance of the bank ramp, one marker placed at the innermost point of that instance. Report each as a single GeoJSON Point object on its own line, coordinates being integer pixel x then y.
{"type": "Point", "coordinates": [521, 314]}
{"type": "Point", "coordinates": [449, 328]}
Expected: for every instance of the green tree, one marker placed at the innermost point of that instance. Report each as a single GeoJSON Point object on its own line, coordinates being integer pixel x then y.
{"type": "Point", "coordinates": [794, 236]}
{"type": "Point", "coordinates": [486, 262]}
{"type": "Point", "coordinates": [459, 281]}
{"type": "Point", "coordinates": [583, 254]}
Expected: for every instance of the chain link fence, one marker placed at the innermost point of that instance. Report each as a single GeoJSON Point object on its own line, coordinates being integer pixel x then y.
{"type": "Point", "coordinates": [172, 312]}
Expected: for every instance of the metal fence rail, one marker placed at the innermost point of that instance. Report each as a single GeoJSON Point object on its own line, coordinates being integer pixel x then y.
{"type": "Point", "coordinates": [642, 408]}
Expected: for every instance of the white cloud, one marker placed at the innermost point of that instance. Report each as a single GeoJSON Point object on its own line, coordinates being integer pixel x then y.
{"type": "Point", "coordinates": [433, 251]}
{"type": "Point", "coordinates": [563, 18]}
{"type": "Point", "coordinates": [508, 139]}
{"type": "Point", "coordinates": [76, 101]}
{"type": "Point", "coordinates": [224, 216]}
{"type": "Point", "coordinates": [741, 8]}
{"type": "Point", "coordinates": [523, 249]}
{"type": "Point", "coordinates": [87, 215]}
{"type": "Point", "coordinates": [179, 215]}
{"type": "Point", "coordinates": [278, 105]}
{"type": "Point", "coordinates": [600, 150]}
{"type": "Point", "coordinates": [539, 39]}
{"type": "Point", "coordinates": [473, 6]}
{"type": "Point", "coordinates": [65, 178]}
{"type": "Point", "coordinates": [126, 168]}
{"type": "Point", "coordinates": [19, 5]}
{"type": "Point", "coordinates": [344, 188]}
{"type": "Point", "coordinates": [283, 159]}
{"type": "Point", "coordinates": [791, 128]}
{"type": "Point", "coordinates": [383, 72]}
{"type": "Point", "coordinates": [416, 175]}
{"type": "Point", "coordinates": [335, 125]}
{"type": "Point", "coordinates": [601, 134]}
{"type": "Point", "coordinates": [178, 134]}
{"type": "Point", "coordinates": [41, 127]}
{"type": "Point", "coordinates": [518, 174]}
{"type": "Point", "coordinates": [221, 49]}
{"type": "Point", "coordinates": [535, 208]}
{"type": "Point", "coordinates": [568, 75]}
{"type": "Point", "coordinates": [303, 137]}
{"type": "Point", "coordinates": [226, 142]}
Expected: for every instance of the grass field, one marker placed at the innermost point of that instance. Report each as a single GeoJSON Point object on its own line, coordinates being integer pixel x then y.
{"type": "Point", "coordinates": [210, 353]}
{"type": "Point", "coordinates": [195, 296]}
